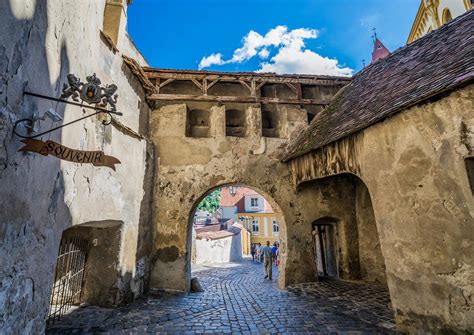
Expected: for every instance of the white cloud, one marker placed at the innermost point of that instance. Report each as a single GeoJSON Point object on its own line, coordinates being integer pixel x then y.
{"type": "Point", "coordinates": [291, 60]}
{"type": "Point", "coordinates": [214, 59]}
{"type": "Point", "coordinates": [291, 54]}
{"type": "Point", "coordinates": [264, 53]}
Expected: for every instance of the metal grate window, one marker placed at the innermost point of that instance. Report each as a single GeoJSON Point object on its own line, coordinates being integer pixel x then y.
{"type": "Point", "coordinates": [68, 278]}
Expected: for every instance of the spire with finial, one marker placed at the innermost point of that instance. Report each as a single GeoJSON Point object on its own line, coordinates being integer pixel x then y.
{"type": "Point", "coordinates": [379, 51]}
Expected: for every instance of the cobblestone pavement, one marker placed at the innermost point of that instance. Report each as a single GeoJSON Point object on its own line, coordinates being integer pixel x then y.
{"type": "Point", "coordinates": [238, 300]}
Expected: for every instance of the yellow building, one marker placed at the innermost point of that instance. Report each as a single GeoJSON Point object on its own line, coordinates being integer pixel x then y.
{"type": "Point", "coordinates": [260, 228]}
{"type": "Point", "coordinates": [434, 13]}
{"type": "Point", "coordinates": [259, 222]}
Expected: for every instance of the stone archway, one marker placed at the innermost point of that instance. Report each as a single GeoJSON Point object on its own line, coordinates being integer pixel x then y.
{"type": "Point", "coordinates": [189, 167]}
{"type": "Point", "coordinates": [175, 259]}
{"type": "Point", "coordinates": [277, 213]}
{"type": "Point", "coordinates": [238, 136]}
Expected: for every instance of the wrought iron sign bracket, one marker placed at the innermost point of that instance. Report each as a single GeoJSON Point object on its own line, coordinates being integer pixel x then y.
{"type": "Point", "coordinates": [90, 92]}
{"type": "Point", "coordinates": [98, 97]}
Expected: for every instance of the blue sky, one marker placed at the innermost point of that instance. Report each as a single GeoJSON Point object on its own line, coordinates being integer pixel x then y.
{"type": "Point", "coordinates": [180, 33]}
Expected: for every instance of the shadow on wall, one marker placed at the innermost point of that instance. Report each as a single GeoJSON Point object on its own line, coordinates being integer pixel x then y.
{"type": "Point", "coordinates": [236, 248]}
{"type": "Point", "coordinates": [76, 320]}
{"type": "Point", "coordinates": [32, 209]}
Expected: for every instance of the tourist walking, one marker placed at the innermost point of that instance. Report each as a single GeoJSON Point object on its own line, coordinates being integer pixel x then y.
{"type": "Point", "coordinates": [275, 253]}
{"type": "Point", "coordinates": [268, 260]}
{"type": "Point", "coordinates": [259, 252]}
{"type": "Point", "coordinates": [252, 251]}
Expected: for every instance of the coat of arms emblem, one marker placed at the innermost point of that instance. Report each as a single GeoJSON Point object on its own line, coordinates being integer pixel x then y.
{"type": "Point", "coordinates": [90, 92]}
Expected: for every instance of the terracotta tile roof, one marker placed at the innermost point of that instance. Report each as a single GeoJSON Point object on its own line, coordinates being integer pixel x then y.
{"type": "Point", "coordinates": [432, 65]}
{"type": "Point", "coordinates": [220, 234]}
{"type": "Point", "coordinates": [238, 200]}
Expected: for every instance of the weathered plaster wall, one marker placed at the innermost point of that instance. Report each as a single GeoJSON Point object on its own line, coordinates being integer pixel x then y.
{"type": "Point", "coordinates": [40, 43]}
{"type": "Point", "coordinates": [413, 166]}
{"type": "Point", "coordinates": [189, 167]}
{"type": "Point", "coordinates": [224, 250]}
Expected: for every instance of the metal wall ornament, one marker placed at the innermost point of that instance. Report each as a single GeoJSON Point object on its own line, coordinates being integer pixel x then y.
{"type": "Point", "coordinates": [91, 93]}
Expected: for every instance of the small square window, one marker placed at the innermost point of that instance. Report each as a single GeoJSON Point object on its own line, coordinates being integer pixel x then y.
{"type": "Point", "coordinates": [198, 123]}
{"type": "Point", "coordinates": [255, 227]}
{"type": "Point", "coordinates": [254, 202]}
{"type": "Point", "coordinates": [276, 228]}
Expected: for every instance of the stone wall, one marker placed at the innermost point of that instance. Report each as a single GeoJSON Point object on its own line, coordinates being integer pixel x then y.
{"type": "Point", "coordinates": [41, 42]}
{"type": "Point", "coordinates": [414, 167]}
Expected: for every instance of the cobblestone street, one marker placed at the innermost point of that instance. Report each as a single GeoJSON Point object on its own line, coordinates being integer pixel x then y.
{"type": "Point", "coordinates": [238, 300]}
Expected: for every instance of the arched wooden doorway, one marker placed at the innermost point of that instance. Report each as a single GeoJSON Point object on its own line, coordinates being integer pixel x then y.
{"type": "Point", "coordinates": [325, 247]}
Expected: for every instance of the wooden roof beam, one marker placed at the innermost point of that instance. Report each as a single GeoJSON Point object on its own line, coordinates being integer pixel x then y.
{"type": "Point", "coordinates": [241, 99]}
{"type": "Point", "coordinates": [249, 78]}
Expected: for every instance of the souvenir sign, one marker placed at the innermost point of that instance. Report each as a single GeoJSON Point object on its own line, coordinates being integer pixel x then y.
{"type": "Point", "coordinates": [96, 158]}
{"type": "Point", "coordinates": [90, 92]}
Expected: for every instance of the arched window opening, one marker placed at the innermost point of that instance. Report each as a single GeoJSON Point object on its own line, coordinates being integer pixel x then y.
{"type": "Point", "coordinates": [270, 123]}
{"type": "Point", "coordinates": [198, 123]}
{"type": "Point", "coordinates": [235, 123]}
{"type": "Point", "coordinates": [446, 16]}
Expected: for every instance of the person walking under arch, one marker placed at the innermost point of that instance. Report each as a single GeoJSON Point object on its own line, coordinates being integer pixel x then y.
{"type": "Point", "coordinates": [275, 253]}
{"type": "Point", "coordinates": [268, 260]}
{"type": "Point", "coordinates": [258, 252]}
{"type": "Point", "coordinates": [252, 251]}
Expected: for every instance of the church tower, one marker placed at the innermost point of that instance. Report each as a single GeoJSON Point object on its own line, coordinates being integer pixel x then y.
{"type": "Point", "coordinates": [379, 51]}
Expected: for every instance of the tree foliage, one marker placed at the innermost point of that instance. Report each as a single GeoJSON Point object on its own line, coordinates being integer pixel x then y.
{"type": "Point", "coordinates": [211, 202]}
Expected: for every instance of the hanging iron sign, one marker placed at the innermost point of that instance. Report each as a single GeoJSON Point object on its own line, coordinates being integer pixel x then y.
{"type": "Point", "coordinates": [96, 158]}
{"type": "Point", "coordinates": [90, 92]}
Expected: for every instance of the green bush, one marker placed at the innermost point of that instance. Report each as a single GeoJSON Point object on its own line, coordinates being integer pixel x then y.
{"type": "Point", "coordinates": [211, 202]}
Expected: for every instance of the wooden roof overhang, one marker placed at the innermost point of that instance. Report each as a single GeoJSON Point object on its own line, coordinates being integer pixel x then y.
{"type": "Point", "coordinates": [253, 82]}
{"type": "Point", "coordinates": [429, 68]}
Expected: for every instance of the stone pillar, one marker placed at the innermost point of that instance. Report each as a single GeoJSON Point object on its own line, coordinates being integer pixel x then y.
{"type": "Point", "coordinates": [217, 121]}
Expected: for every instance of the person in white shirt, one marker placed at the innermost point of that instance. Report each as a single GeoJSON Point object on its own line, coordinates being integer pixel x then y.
{"type": "Point", "coordinates": [259, 252]}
